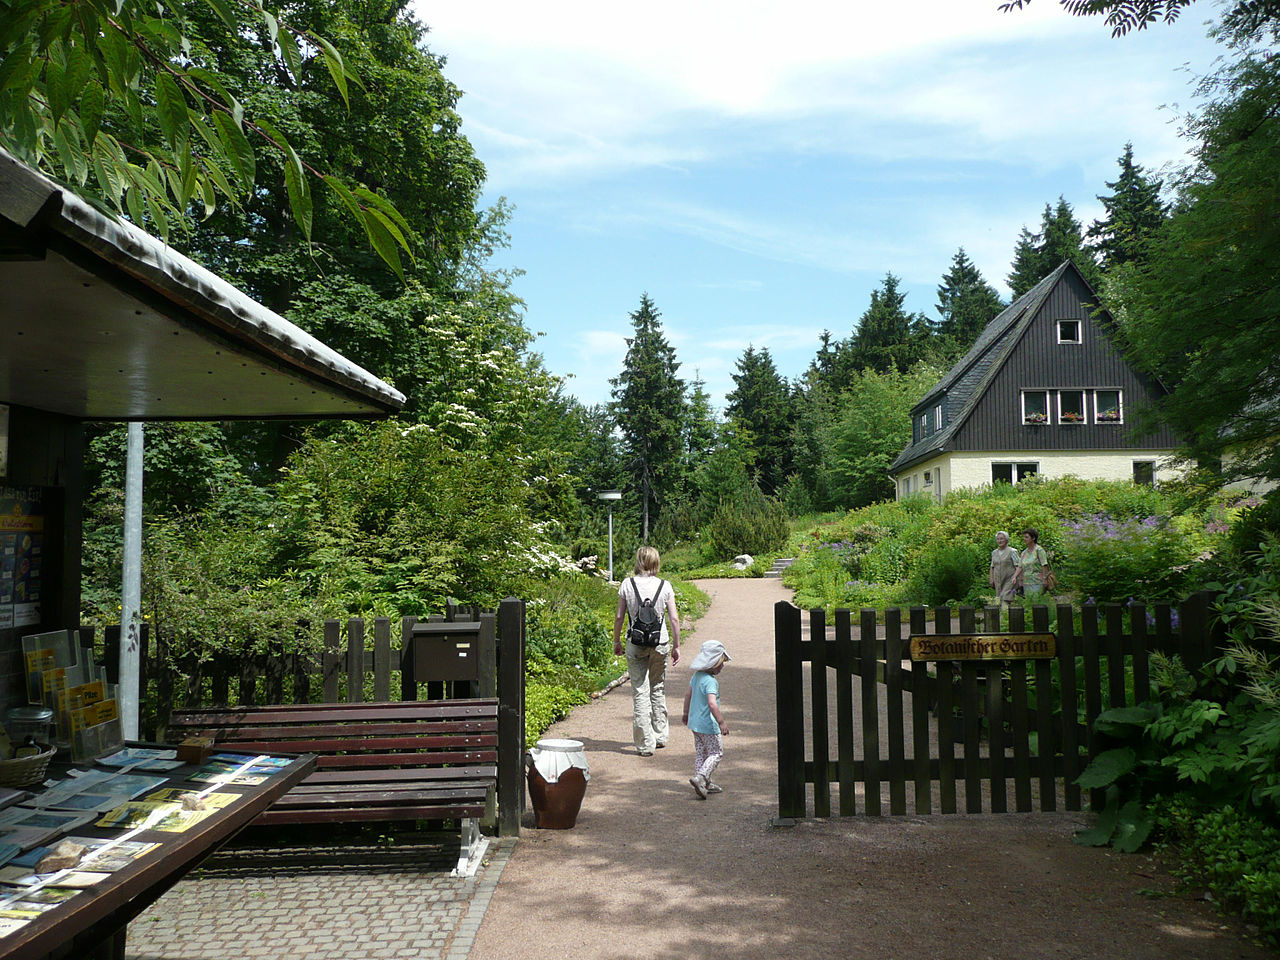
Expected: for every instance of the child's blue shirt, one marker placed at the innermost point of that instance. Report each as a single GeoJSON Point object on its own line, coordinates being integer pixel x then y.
{"type": "Point", "coordinates": [700, 718]}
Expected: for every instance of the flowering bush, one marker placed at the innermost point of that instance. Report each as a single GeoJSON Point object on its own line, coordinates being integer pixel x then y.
{"type": "Point", "coordinates": [1113, 560]}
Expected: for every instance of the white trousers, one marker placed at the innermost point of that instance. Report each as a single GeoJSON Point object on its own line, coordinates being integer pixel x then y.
{"type": "Point", "coordinates": [647, 667]}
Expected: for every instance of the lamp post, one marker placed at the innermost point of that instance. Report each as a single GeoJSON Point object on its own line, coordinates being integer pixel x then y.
{"type": "Point", "coordinates": [611, 497]}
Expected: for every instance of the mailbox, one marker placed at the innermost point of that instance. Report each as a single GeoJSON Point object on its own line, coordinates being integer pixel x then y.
{"type": "Point", "coordinates": [445, 651]}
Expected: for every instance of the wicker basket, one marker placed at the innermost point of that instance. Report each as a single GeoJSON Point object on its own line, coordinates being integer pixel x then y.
{"type": "Point", "coordinates": [25, 771]}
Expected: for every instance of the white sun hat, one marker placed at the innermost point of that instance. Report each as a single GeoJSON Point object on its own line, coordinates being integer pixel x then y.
{"type": "Point", "coordinates": [709, 655]}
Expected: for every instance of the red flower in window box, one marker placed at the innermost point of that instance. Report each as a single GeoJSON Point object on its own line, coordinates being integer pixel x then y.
{"type": "Point", "coordinates": [1036, 418]}
{"type": "Point", "coordinates": [1071, 416]}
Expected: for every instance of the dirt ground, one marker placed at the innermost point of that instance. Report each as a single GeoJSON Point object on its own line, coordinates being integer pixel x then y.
{"type": "Point", "coordinates": [652, 871]}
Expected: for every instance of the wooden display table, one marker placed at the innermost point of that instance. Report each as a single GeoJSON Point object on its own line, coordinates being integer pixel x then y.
{"type": "Point", "coordinates": [91, 925]}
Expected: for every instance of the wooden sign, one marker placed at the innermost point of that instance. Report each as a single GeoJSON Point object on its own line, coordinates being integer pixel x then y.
{"type": "Point", "coordinates": [983, 646]}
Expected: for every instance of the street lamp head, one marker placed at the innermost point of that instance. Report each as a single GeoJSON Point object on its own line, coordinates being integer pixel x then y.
{"type": "Point", "coordinates": [609, 495]}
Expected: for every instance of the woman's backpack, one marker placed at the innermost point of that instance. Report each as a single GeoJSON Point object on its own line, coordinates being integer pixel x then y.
{"type": "Point", "coordinates": [646, 625]}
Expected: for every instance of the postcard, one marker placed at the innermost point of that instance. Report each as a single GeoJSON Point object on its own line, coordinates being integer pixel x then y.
{"type": "Point", "coordinates": [259, 762]}
{"type": "Point", "coordinates": [219, 775]}
{"type": "Point", "coordinates": [10, 925]}
{"type": "Point", "coordinates": [172, 795]}
{"type": "Point", "coordinates": [119, 855]}
{"type": "Point", "coordinates": [142, 758]}
{"type": "Point", "coordinates": [51, 819]}
{"type": "Point", "coordinates": [8, 796]}
{"type": "Point", "coordinates": [26, 837]}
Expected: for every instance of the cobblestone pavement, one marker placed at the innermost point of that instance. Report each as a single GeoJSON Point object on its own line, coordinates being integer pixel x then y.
{"type": "Point", "coordinates": [339, 902]}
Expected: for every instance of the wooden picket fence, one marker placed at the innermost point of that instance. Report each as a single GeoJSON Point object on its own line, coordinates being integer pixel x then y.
{"type": "Point", "coordinates": [348, 669]}
{"type": "Point", "coordinates": [1028, 723]}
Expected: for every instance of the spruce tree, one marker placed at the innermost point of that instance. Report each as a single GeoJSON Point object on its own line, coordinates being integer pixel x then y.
{"type": "Point", "coordinates": [887, 336]}
{"type": "Point", "coordinates": [761, 403]}
{"type": "Point", "coordinates": [1060, 238]}
{"type": "Point", "coordinates": [966, 304]}
{"type": "Point", "coordinates": [701, 431]}
{"type": "Point", "coordinates": [648, 402]}
{"type": "Point", "coordinates": [1134, 214]}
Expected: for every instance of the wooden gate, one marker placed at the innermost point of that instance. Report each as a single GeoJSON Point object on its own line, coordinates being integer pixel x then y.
{"type": "Point", "coordinates": [937, 728]}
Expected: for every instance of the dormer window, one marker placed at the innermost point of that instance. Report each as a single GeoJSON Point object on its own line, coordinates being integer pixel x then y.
{"type": "Point", "coordinates": [1068, 331]}
{"type": "Point", "coordinates": [937, 417]}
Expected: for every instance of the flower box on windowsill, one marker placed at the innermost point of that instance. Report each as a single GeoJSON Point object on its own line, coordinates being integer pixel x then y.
{"type": "Point", "coordinates": [1109, 416]}
{"type": "Point", "coordinates": [1035, 419]}
{"type": "Point", "coordinates": [1071, 418]}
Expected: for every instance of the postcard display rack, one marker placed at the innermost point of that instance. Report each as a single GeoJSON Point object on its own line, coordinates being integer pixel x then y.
{"type": "Point", "coordinates": [88, 850]}
{"type": "Point", "coordinates": [62, 675]}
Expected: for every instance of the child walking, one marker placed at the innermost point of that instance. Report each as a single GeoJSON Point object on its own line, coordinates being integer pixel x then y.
{"type": "Point", "coordinates": [703, 716]}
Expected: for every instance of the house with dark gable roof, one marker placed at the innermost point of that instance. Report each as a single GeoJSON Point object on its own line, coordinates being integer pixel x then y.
{"type": "Point", "coordinates": [1042, 391]}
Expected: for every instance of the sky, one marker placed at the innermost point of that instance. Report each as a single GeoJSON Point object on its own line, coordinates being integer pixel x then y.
{"type": "Point", "coordinates": [757, 167]}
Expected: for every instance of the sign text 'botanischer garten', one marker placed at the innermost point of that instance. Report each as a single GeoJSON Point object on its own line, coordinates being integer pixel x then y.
{"type": "Point", "coordinates": [984, 646]}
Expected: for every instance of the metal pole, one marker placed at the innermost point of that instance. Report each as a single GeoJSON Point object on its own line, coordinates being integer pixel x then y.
{"type": "Point", "coordinates": [131, 588]}
{"type": "Point", "coordinates": [611, 542]}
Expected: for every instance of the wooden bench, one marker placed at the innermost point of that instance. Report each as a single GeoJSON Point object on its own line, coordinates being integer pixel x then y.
{"type": "Point", "coordinates": [409, 760]}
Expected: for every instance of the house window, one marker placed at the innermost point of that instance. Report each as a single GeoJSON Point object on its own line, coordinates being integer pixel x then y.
{"type": "Point", "coordinates": [906, 486]}
{"type": "Point", "coordinates": [1144, 472]}
{"type": "Point", "coordinates": [1068, 331]}
{"type": "Point", "coordinates": [1035, 406]}
{"type": "Point", "coordinates": [937, 417]}
{"type": "Point", "coordinates": [928, 476]}
{"type": "Point", "coordinates": [1013, 472]}
{"type": "Point", "coordinates": [1107, 407]}
{"type": "Point", "coordinates": [924, 424]}
{"type": "Point", "coordinates": [1071, 407]}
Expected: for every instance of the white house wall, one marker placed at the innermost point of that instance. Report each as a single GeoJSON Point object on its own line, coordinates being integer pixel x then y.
{"type": "Point", "coordinates": [956, 471]}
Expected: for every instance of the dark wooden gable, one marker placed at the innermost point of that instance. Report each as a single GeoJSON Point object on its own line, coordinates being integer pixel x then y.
{"type": "Point", "coordinates": [1037, 361]}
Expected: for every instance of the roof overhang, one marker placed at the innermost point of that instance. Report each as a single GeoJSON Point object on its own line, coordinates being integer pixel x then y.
{"type": "Point", "coordinates": [102, 321]}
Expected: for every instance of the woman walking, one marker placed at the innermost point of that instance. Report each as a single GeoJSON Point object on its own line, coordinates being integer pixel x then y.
{"type": "Point", "coordinates": [1033, 564]}
{"type": "Point", "coordinates": [641, 597]}
{"type": "Point", "coordinates": [1004, 569]}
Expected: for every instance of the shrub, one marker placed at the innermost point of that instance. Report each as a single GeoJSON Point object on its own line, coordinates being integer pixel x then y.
{"type": "Point", "coordinates": [1112, 560]}
{"type": "Point", "coordinates": [750, 523]}
{"type": "Point", "coordinates": [544, 704]}
{"type": "Point", "coordinates": [948, 573]}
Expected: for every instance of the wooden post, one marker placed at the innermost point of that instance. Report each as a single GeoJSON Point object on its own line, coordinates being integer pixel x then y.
{"type": "Point", "coordinates": [818, 712]}
{"type": "Point", "coordinates": [869, 648]}
{"type": "Point", "coordinates": [332, 662]}
{"type": "Point", "coordinates": [1045, 744]}
{"type": "Point", "coordinates": [946, 718]}
{"type": "Point", "coordinates": [487, 655]}
{"type": "Point", "coordinates": [844, 712]}
{"type": "Point", "coordinates": [921, 697]}
{"type": "Point", "coordinates": [509, 628]}
{"type": "Point", "coordinates": [1069, 705]}
{"type": "Point", "coordinates": [1194, 638]}
{"type": "Point", "coordinates": [408, 688]}
{"type": "Point", "coordinates": [1092, 688]}
{"type": "Point", "coordinates": [789, 680]}
{"type": "Point", "coordinates": [893, 691]}
{"type": "Point", "coordinates": [382, 659]}
{"type": "Point", "coordinates": [355, 660]}
{"type": "Point", "coordinates": [1138, 650]}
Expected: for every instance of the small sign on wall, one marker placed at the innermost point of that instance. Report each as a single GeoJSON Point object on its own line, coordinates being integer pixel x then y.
{"type": "Point", "coordinates": [984, 646]}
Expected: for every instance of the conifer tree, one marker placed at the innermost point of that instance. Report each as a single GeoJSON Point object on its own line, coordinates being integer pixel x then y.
{"type": "Point", "coordinates": [701, 430]}
{"type": "Point", "coordinates": [761, 403]}
{"type": "Point", "coordinates": [966, 304]}
{"type": "Point", "coordinates": [1134, 214]}
{"type": "Point", "coordinates": [648, 402]}
{"type": "Point", "coordinates": [1060, 238]}
{"type": "Point", "coordinates": [887, 335]}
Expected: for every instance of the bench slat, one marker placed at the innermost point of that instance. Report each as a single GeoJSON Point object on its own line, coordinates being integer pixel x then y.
{"type": "Point", "coordinates": [361, 760]}
{"type": "Point", "coordinates": [235, 731]}
{"type": "Point", "coordinates": [354, 746]}
{"type": "Point", "coordinates": [344, 815]}
{"type": "Point", "coordinates": [342, 712]}
{"type": "Point", "coordinates": [407, 775]}
{"type": "Point", "coordinates": [385, 798]}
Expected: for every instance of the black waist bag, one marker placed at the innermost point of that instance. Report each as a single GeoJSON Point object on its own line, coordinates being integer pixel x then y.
{"type": "Point", "coordinates": [646, 625]}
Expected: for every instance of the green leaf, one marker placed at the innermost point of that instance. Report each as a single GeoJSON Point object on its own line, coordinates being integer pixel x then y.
{"type": "Point", "coordinates": [225, 14]}
{"type": "Point", "coordinates": [1100, 834]}
{"type": "Point", "coordinates": [1108, 767]}
{"type": "Point", "coordinates": [74, 163]}
{"type": "Point", "coordinates": [385, 205]}
{"type": "Point", "coordinates": [346, 196]}
{"type": "Point", "coordinates": [382, 241]}
{"type": "Point", "coordinates": [295, 179]}
{"type": "Point", "coordinates": [91, 107]}
{"type": "Point", "coordinates": [333, 60]}
{"type": "Point", "coordinates": [214, 83]}
{"type": "Point", "coordinates": [1133, 826]}
{"type": "Point", "coordinates": [78, 66]}
{"type": "Point", "coordinates": [291, 55]}
{"type": "Point", "coordinates": [56, 89]}
{"type": "Point", "coordinates": [208, 195]}
{"type": "Point", "coordinates": [155, 206]}
{"type": "Point", "coordinates": [171, 110]}
{"type": "Point", "coordinates": [1122, 721]}
{"type": "Point", "coordinates": [236, 149]}
{"type": "Point", "coordinates": [215, 175]}
{"type": "Point", "coordinates": [133, 200]}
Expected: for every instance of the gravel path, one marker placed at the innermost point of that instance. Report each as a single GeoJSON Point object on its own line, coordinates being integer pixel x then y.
{"type": "Point", "coordinates": [651, 871]}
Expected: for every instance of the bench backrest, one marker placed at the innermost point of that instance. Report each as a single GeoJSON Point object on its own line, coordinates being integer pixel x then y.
{"type": "Point", "coordinates": [349, 736]}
